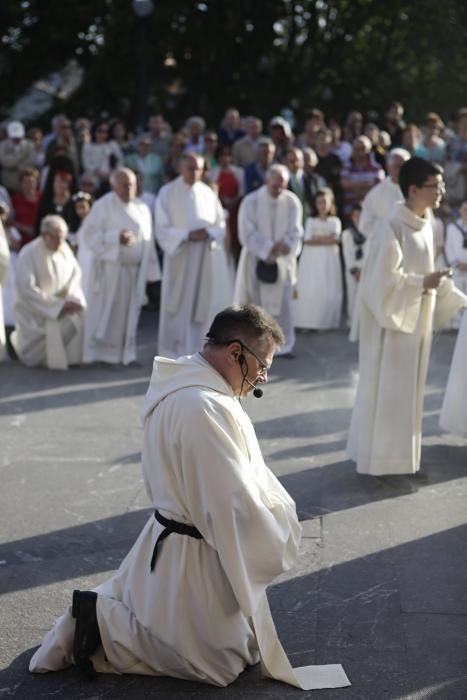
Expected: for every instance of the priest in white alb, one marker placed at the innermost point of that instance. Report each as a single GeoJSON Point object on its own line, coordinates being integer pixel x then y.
{"type": "Point", "coordinates": [50, 302]}
{"type": "Point", "coordinates": [189, 600]}
{"type": "Point", "coordinates": [453, 416]}
{"type": "Point", "coordinates": [4, 264]}
{"type": "Point", "coordinates": [402, 300]}
{"type": "Point", "coordinates": [118, 233]}
{"type": "Point", "coordinates": [377, 207]}
{"type": "Point", "coordinates": [196, 280]}
{"type": "Point", "coordinates": [270, 231]}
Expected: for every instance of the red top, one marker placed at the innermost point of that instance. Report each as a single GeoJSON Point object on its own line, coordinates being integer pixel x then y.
{"type": "Point", "coordinates": [227, 184]}
{"type": "Point", "coordinates": [25, 212]}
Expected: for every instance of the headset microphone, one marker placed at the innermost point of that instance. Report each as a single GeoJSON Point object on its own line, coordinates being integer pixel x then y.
{"type": "Point", "coordinates": [257, 393]}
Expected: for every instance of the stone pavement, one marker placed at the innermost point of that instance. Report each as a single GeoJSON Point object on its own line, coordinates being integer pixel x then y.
{"type": "Point", "coordinates": [381, 583]}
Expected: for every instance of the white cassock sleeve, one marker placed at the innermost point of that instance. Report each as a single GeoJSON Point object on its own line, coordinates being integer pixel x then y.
{"type": "Point", "coordinates": [238, 506]}
{"type": "Point", "coordinates": [369, 216]}
{"type": "Point", "coordinates": [43, 304]}
{"type": "Point", "coordinates": [100, 237]}
{"type": "Point", "coordinates": [449, 300]}
{"type": "Point", "coordinates": [248, 233]}
{"type": "Point", "coordinates": [294, 234]}
{"type": "Point", "coordinates": [454, 245]}
{"type": "Point", "coordinates": [217, 229]}
{"type": "Point", "coordinates": [392, 295]}
{"type": "Point", "coordinates": [169, 237]}
{"type": "Point", "coordinates": [4, 254]}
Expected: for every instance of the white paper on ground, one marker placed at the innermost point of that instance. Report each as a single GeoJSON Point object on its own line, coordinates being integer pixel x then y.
{"type": "Point", "coordinates": [275, 664]}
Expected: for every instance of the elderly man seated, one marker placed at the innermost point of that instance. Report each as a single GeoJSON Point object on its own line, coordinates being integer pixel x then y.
{"type": "Point", "coordinates": [50, 301]}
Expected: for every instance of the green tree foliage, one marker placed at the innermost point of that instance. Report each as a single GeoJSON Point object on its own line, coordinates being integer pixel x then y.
{"type": "Point", "coordinates": [259, 55]}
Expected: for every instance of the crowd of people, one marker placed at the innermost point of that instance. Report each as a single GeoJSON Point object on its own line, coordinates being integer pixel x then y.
{"type": "Point", "coordinates": [204, 206]}
{"type": "Point", "coordinates": [287, 226]}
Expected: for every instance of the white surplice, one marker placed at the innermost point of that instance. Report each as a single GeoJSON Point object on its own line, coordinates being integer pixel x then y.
{"type": "Point", "coordinates": [4, 264]}
{"type": "Point", "coordinates": [202, 614]}
{"type": "Point", "coordinates": [319, 286]}
{"type": "Point", "coordinates": [262, 222]}
{"type": "Point", "coordinates": [116, 277]}
{"type": "Point", "coordinates": [45, 280]}
{"type": "Point", "coordinates": [453, 416]}
{"type": "Point", "coordinates": [456, 234]}
{"type": "Point", "coordinates": [396, 322]}
{"type": "Point", "coordinates": [196, 282]}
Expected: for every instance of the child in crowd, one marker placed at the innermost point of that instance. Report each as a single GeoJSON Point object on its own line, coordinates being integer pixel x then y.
{"type": "Point", "coordinates": [354, 248]}
{"type": "Point", "coordinates": [319, 285]}
{"type": "Point", "coordinates": [82, 203]}
{"type": "Point", "coordinates": [13, 237]}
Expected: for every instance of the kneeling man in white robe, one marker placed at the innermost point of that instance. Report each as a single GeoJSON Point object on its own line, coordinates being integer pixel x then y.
{"type": "Point", "coordinates": [196, 283]}
{"type": "Point", "coordinates": [49, 300]}
{"type": "Point", "coordinates": [270, 231]}
{"type": "Point", "coordinates": [118, 233]}
{"type": "Point", "coordinates": [402, 299]}
{"type": "Point", "coordinates": [189, 600]}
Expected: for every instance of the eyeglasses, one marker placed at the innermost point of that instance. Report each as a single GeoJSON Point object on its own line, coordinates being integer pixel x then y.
{"type": "Point", "coordinates": [438, 186]}
{"type": "Point", "coordinates": [263, 367]}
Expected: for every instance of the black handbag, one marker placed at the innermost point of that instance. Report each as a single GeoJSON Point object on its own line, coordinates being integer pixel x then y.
{"type": "Point", "coordinates": [267, 272]}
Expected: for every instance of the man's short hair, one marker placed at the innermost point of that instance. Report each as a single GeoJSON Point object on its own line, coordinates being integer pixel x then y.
{"type": "Point", "coordinates": [191, 155]}
{"type": "Point", "coordinates": [244, 322]}
{"type": "Point", "coordinates": [397, 153]}
{"type": "Point", "coordinates": [416, 171]}
{"type": "Point", "coordinates": [51, 223]}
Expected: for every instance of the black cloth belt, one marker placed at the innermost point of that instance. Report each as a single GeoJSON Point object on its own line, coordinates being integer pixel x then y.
{"type": "Point", "coordinates": [169, 527]}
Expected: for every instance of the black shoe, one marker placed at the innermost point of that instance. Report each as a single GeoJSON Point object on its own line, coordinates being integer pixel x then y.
{"type": "Point", "coordinates": [87, 636]}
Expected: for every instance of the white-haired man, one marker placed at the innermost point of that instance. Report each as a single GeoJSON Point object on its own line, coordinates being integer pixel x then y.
{"type": "Point", "coordinates": [270, 231]}
{"type": "Point", "coordinates": [376, 211]}
{"type": "Point", "coordinates": [380, 200]}
{"type": "Point", "coordinates": [196, 284]}
{"type": "Point", "coordinates": [49, 300]}
{"type": "Point", "coordinates": [118, 232]}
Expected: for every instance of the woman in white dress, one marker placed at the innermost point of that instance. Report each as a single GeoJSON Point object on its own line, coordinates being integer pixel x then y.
{"type": "Point", "coordinates": [101, 157]}
{"type": "Point", "coordinates": [453, 417]}
{"type": "Point", "coordinates": [319, 285]}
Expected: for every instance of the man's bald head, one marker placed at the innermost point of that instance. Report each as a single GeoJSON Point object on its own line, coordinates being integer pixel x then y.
{"type": "Point", "coordinates": [123, 182]}
{"type": "Point", "coordinates": [277, 178]}
{"type": "Point", "coordinates": [191, 167]}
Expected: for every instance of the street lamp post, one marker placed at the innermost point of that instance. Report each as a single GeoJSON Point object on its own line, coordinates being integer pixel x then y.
{"type": "Point", "coordinates": [142, 9]}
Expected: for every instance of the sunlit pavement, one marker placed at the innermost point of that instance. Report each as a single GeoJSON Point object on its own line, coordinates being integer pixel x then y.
{"type": "Point", "coordinates": [381, 583]}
